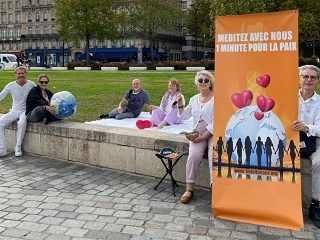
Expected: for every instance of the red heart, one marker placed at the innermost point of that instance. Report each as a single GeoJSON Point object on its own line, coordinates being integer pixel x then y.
{"type": "Point", "coordinates": [265, 104]}
{"type": "Point", "coordinates": [263, 81]}
{"type": "Point", "coordinates": [243, 99]}
{"type": "Point", "coordinates": [258, 115]}
{"type": "Point", "coordinates": [142, 124]}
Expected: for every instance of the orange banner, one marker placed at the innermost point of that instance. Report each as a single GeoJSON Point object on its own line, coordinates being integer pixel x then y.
{"type": "Point", "coordinates": [256, 177]}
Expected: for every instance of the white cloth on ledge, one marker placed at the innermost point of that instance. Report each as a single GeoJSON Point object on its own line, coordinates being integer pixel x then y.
{"type": "Point", "coordinates": [131, 123]}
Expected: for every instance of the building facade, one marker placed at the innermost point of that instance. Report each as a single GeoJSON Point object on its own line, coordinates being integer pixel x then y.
{"type": "Point", "coordinates": [28, 27]}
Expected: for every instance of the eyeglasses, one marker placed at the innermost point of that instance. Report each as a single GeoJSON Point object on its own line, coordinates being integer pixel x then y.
{"type": "Point", "coordinates": [200, 80]}
{"type": "Point", "coordinates": [43, 82]}
{"type": "Point", "coordinates": [307, 77]}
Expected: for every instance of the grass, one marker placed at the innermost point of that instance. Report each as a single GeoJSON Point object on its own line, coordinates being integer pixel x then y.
{"type": "Point", "coordinates": [98, 92]}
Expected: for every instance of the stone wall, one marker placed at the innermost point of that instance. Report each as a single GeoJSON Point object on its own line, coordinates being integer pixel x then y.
{"type": "Point", "coordinates": [125, 149]}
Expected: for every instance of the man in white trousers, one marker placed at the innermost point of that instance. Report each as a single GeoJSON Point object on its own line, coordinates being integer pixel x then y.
{"type": "Point", "coordinates": [19, 90]}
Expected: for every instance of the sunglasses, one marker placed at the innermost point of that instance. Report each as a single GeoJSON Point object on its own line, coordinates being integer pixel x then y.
{"type": "Point", "coordinates": [43, 82]}
{"type": "Point", "coordinates": [200, 80]}
{"type": "Point", "coordinates": [307, 77]}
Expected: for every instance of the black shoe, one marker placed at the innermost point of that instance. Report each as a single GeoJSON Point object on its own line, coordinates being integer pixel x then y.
{"type": "Point", "coordinates": [104, 115]}
{"type": "Point", "coordinates": [314, 214]}
{"type": "Point", "coordinates": [45, 121]}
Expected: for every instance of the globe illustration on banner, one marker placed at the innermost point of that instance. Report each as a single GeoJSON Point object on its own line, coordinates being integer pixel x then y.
{"type": "Point", "coordinates": [64, 103]}
{"type": "Point", "coordinates": [243, 124]}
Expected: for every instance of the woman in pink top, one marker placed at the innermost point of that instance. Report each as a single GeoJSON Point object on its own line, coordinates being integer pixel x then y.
{"type": "Point", "coordinates": [167, 112]}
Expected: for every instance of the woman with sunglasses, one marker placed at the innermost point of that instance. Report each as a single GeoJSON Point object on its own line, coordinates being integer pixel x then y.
{"type": "Point", "coordinates": [200, 107]}
{"type": "Point", "coordinates": [38, 100]}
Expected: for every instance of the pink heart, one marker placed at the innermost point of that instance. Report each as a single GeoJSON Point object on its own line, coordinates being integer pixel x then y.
{"type": "Point", "coordinates": [263, 81]}
{"type": "Point", "coordinates": [265, 104]}
{"type": "Point", "coordinates": [142, 124]}
{"type": "Point", "coordinates": [258, 115]}
{"type": "Point", "coordinates": [243, 99]}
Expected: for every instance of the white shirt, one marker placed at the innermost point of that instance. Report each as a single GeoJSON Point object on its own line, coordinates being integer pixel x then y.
{"type": "Point", "coordinates": [196, 110]}
{"type": "Point", "coordinates": [309, 113]}
{"type": "Point", "coordinates": [19, 94]}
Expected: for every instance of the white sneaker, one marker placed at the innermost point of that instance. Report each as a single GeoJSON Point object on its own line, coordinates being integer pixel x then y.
{"type": "Point", "coordinates": [17, 151]}
{"type": "Point", "coordinates": [3, 153]}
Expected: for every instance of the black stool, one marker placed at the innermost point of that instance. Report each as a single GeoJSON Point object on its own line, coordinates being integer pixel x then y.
{"type": "Point", "coordinates": [170, 155]}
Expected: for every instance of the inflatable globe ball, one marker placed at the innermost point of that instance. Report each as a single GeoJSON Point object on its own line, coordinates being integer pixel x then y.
{"type": "Point", "coordinates": [64, 103]}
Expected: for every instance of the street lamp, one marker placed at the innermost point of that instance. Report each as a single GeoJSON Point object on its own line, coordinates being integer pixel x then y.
{"type": "Point", "coordinates": [196, 28]}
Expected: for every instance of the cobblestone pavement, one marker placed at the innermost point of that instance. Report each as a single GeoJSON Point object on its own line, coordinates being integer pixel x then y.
{"type": "Point", "coordinates": [42, 198]}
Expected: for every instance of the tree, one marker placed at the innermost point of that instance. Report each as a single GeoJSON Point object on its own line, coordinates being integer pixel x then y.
{"type": "Point", "coordinates": [309, 22]}
{"type": "Point", "coordinates": [86, 19]}
{"type": "Point", "coordinates": [150, 18]}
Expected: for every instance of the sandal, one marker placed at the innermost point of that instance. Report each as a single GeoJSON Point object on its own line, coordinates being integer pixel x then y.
{"type": "Point", "coordinates": [186, 197]}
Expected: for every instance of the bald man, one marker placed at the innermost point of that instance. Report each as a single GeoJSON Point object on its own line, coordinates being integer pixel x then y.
{"type": "Point", "coordinates": [132, 103]}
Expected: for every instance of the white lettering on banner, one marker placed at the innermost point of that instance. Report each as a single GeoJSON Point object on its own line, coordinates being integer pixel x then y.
{"type": "Point", "coordinates": [259, 36]}
{"type": "Point", "coordinates": [233, 48]}
{"type": "Point", "coordinates": [257, 47]}
{"type": "Point", "coordinates": [234, 37]}
{"type": "Point", "coordinates": [288, 46]}
{"type": "Point", "coordinates": [281, 35]}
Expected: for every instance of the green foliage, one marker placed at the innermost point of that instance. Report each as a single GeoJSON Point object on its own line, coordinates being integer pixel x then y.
{"type": "Point", "coordinates": [309, 22]}
{"type": "Point", "coordinates": [86, 19]}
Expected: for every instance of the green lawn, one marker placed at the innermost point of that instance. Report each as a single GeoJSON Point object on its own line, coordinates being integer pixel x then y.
{"type": "Point", "coordinates": [99, 91]}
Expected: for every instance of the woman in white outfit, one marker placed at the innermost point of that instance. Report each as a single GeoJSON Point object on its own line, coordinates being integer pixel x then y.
{"type": "Point", "coordinates": [200, 108]}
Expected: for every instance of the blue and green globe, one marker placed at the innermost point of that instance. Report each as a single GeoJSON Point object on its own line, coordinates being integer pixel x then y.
{"type": "Point", "coordinates": [64, 103]}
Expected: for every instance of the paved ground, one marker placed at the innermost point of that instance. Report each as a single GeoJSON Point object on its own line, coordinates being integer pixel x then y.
{"type": "Point", "coordinates": [48, 199]}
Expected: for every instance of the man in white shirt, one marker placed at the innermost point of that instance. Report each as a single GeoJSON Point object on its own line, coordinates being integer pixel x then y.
{"type": "Point", "coordinates": [309, 122]}
{"type": "Point", "coordinates": [19, 90]}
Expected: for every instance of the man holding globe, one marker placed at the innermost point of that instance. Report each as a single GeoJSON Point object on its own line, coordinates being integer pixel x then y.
{"type": "Point", "coordinates": [19, 90]}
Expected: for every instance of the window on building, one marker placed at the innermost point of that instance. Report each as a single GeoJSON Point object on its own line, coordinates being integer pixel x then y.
{"type": "Point", "coordinates": [30, 2]}
{"type": "Point", "coordinates": [29, 30]}
{"type": "Point", "coordinates": [17, 4]}
{"type": "Point", "coordinates": [3, 33]}
{"type": "Point", "coordinates": [54, 44]}
{"type": "Point", "coordinates": [10, 5]}
{"type": "Point", "coordinates": [95, 43]}
{"type": "Point", "coordinates": [3, 6]}
{"type": "Point", "coordinates": [18, 45]}
{"type": "Point", "coordinates": [10, 34]}
{"type": "Point", "coordinates": [37, 16]}
{"type": "Point", "coordinates": [37, 44]}
{"type": "Point", "coordinates": [45, 16]}
{"type": "Point", "coordinates": [45, 29]}
{"type": "Point", "coordinates": [104, 43]}
{"type": "Point", "coordinates": [114, 44]}
{"type": "Point", "coordinates": [18, 33]}
{"type": "Point", "coordinates": [4, 46]}
{"type": "Point", "coordinates": [10, 45]}
{"type": "Point", "coordinates": [53, 29]}
{"type": "Point", "coordinates": [10, 18]}
{"type": "Point", "coordinates": [4, 19]}
{"type": "Point", "coordinates": [45, 2]}
{"type": "Point", "coordinates": [45, 44]}
{"type": "Point", "coordinates": [38, 2]}
{"type": "Point", "coordinates": [29, 17]}
{"type": "Point", "coordinates": [132, 42]}
{"type": "Point", "coordinates": [123, 43]}
{"type": "Point", "coordinates": [38, 30]}
{"type": "Point", "coordinates": [53, 17]}
{"type": "Point", "coordinates": [18, 18]}
{"type": "Point", "coordinates": [30, 44]}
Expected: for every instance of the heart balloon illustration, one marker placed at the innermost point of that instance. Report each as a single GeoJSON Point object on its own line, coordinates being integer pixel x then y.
{"type": "Point", "coordinates": [265, 104]}
{"type": "Point", "coordinates": [243, 99]}
{"type": "Point", "coordinates": [258, 115]}
{"type": "Point", "coordinates": [142, 124]}
{"type": "Point", "coordinates": [263, 81]}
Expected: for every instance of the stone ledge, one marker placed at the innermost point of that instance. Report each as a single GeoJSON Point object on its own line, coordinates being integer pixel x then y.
{"type": "Point", "coordinates": [82, 68]}
{"type": "Point", "coordinates": [124, 149]}
{"type": "Point", "coordinates": [195, 68]}
{"type": "Point", "coordinates": [137, 68]}
{"type": "Point", "coordinates": [59, 68]}
{"type": "Point", "coordinates": [37, 68]}
{"type": "Point", "coordinates": [165, 68]}
{"type": "Point", "coordinates": [109, 68]}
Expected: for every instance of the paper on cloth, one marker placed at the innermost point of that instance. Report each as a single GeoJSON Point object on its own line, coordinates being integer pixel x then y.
{"type": "Point", "coordinates": [131, 123]}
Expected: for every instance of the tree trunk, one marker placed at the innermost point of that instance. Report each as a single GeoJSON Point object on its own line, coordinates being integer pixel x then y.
{"type": "Point", "coordinates": [87, 50]}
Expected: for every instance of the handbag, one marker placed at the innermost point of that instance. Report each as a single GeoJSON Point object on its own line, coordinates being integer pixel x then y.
{"type": "Point", "coordinates": [307, 144]}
